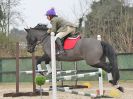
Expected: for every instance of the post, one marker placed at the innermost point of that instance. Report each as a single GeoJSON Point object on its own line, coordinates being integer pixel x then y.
{"type": "Point", "coordinates": [33, 74]}
{"type": "Point", "coordinates": [76, 68]}
{"type": "Point", "coordinates": [100, 76]}
{"type": "Point", "coordinates": [17, 67]}
{"type": "Point", "coordinates": [61, 68]}
{"type": "Point", "coordinates": [0, 70]}
{"type": "Point", "coordinates": [53, 62]}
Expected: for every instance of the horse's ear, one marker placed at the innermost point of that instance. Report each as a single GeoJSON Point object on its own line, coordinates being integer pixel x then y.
{"type": "Point", "coordinates": [27, 30]}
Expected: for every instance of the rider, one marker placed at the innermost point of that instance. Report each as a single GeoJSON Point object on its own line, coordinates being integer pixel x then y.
{"type": "Point", "coordinates": [59, 26]}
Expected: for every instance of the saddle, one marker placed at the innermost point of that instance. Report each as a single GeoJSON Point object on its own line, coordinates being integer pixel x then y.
{"type": "Point", "coordinates": [70, 42]}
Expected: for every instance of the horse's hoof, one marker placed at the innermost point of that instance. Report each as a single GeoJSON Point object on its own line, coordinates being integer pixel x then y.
{"type": "Point", "coordinates": [48, 73]}
{"type": "Point", "coordinates": [121, 89]}
{"type": "Point", "coordinates": [40, 73]}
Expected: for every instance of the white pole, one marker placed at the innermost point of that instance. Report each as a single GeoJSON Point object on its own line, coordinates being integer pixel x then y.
{"type": "Point", "coordinates": [101, 76]}
{"type": "Point", "coordinates": [53, 63]}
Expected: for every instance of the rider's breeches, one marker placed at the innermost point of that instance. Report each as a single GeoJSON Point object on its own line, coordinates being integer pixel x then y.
{"type": "Point", "coordinates": [63, 34]}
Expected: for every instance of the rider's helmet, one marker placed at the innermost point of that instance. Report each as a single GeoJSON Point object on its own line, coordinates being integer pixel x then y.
{"type": "Point", "coordinates": [51, 12]}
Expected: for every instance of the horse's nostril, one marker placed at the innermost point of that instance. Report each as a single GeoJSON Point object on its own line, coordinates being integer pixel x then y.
{"type": "Point", "coordinates": [29, 51]}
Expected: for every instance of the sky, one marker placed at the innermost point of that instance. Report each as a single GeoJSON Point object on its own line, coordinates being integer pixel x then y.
{"type": "Point", "coordinates": [33, 11]}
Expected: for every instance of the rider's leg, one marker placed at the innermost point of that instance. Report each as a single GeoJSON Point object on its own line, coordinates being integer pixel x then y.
{"type": "Point", "coordinates": [63, 34]}
{"type": "Point", "coordinates": [60, 35]}
{"type": "Point", "coordinates": [60, 46]}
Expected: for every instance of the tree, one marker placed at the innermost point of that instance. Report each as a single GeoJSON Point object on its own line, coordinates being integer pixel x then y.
{"type": "Point", "coordinates": [80, 14]}
{"type": "Point", "coordinates": [1, 16]}
{"type": "Point", "coordinates": [10, 15]}
{"type": "Point", "coordinates": [113, 21]}
{"type": "Point", "coordinates": [1, 13]}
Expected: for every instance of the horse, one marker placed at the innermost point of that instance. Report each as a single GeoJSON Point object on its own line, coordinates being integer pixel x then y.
{"type": "Point", "coordinates": [93, 51]}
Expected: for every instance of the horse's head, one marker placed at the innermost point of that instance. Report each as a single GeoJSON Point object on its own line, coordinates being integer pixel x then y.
{"type": "Point", "coordinates": [35, 35]}
{"type": "Point", "coordinates": [31, 41]}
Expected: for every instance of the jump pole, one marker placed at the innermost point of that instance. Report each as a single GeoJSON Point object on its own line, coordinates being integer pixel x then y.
{"type": "Point", "coordinates": [100, 76]}
{"type": "Point", "coordinates": [53, 63]}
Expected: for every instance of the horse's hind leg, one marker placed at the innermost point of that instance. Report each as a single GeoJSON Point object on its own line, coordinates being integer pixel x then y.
{"type": "Point", "coordinates": [105, 66]}
{"type": "Point", "coordinates": [108, 68]}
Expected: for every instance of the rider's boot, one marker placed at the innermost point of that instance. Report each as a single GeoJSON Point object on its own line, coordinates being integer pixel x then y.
{"type": "Point", "coordinates": [60, 46]}
{"type": "Point", "coordinates": [49, 69]}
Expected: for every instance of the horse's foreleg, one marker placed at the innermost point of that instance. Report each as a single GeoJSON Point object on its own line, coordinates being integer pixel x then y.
{"type": "Point", "coordinates": [46, 59]}
{"type": "Point", "coordinates": [38, 64]}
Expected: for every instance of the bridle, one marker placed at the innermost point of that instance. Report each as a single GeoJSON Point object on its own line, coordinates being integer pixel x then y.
{"type": "Point", "coordinates": [44, 36]}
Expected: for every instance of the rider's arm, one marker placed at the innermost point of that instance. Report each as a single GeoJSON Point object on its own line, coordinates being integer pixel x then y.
{"type": "Point", "coordinates": [54, 25]}
{"type": "Point", "coordinates": [49, 27]}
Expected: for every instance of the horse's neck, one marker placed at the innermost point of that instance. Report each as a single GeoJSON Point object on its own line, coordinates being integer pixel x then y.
{"type": "Point", "coordinates": [39, 35]}
{"type": "Point", "coordinates": [47, 45]}
{"type": "Point", "coordinates": [46, 42]}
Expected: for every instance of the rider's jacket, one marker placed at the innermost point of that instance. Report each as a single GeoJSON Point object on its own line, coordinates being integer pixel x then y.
{"type": "Point", "coordinates": [60, 25]}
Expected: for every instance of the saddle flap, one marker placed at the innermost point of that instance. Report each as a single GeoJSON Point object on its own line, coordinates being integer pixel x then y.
{"type": "Point", "coordinates": [70, 42]}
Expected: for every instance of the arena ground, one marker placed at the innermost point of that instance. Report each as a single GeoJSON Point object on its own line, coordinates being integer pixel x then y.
{"type": "Point", "coordinates": [25, 87]}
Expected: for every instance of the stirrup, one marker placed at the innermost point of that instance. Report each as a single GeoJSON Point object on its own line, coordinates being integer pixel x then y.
{"type": "Point", "coordinates": [62, 52]}
{"type": "Point", "coordinates": [57, 53]}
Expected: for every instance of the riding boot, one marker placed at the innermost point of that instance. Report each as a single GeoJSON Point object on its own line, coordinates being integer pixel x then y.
{"type": "Point", "coordinates": [60, 46]}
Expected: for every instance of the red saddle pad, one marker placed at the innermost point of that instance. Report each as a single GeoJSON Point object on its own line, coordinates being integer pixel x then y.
{"type": "Point", "coordinates": [70, 42]}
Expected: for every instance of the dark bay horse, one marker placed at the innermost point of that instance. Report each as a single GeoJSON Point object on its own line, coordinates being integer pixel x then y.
{"type": "Point", "coordinates": [93, 51]}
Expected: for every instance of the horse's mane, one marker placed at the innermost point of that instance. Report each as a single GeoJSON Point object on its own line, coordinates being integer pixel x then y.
{"type": "Point", "coordinates": [41, 27]}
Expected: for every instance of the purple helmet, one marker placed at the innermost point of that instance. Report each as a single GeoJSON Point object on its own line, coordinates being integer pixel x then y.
{"type": "Point", "coordinates": [50, 12]}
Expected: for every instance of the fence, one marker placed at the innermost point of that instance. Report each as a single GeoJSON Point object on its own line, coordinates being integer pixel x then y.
{"type": "Point", "coordinates": [8, 64]}
{"type": "Point", "coordinates": [8, 67]}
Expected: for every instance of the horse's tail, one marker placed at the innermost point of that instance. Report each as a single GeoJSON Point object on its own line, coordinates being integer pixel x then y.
{"type": "Point", "coordinates": [109, 52]}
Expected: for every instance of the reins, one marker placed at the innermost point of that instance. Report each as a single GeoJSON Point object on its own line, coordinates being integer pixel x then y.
{"type": "Point", "coordinates": [42, 39]}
